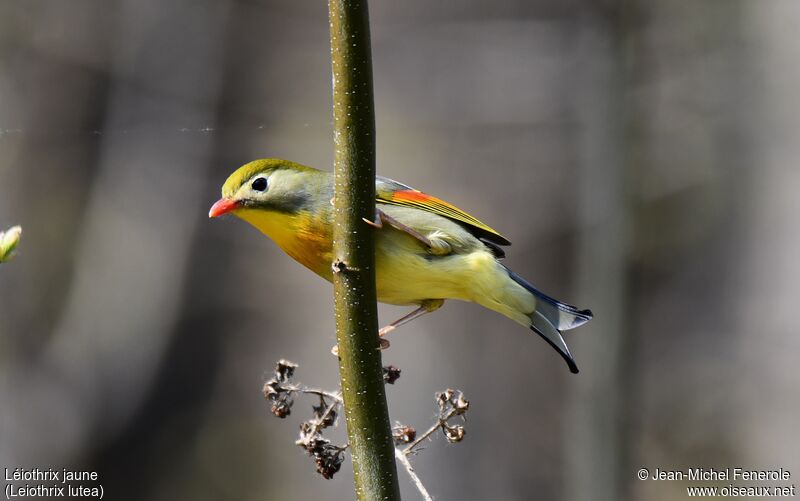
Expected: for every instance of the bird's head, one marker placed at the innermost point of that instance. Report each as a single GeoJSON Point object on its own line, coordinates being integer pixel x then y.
{"type": "Point", "coordinates": [269, 184]}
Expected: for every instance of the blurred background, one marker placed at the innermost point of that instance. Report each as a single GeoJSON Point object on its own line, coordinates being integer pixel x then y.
{"type": "Point", "coordinates": [640, 155]}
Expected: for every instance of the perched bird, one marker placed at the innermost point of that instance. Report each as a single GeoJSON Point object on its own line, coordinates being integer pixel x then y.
{"type": "Point", "coordinates": [426, 250]}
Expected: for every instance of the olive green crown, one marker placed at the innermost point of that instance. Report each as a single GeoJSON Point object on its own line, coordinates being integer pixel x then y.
{"type": "Point", "coordinates": [261, 166]}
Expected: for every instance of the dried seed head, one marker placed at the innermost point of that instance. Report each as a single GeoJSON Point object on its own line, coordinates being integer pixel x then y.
{"type": "Point", "coordinates": [403, 434]}
{"type": "Point", "coordinates": [451, 400]}
{"type": "Point", "coordinates": [284, 370]}
{"type": "Point", "coordinates": [454, 433]}
{"type": "Point", "coordinates": [269, 389]}
{"type": "Point", "coordinates": [280, 398]}
{"type": "Point", "coordinates": [324, 415]}
{"type": "Point", "coordinates": [460, 404]}
{"type": "Point", "coordinates": [316, 444]}
{"type": "Point", "coordinates": [329, 461]}
{"type": "Point", "coordinates": [391, 374]}
{"type": "Point", "coordinates": [443, 399]}
{"type": "Point", "coordinates": [328, 458]}
{"type": "Point", "coordinates": [282, 405]}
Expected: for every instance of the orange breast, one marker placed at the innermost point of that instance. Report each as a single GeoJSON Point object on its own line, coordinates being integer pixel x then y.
{"type": "Point", "coordinates": [311, 247]}
{"type": "Point", "coordinates": [306, 239]}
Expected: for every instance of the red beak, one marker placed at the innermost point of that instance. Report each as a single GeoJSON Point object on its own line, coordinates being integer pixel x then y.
{"type": "Point", "coordinates": [223, 206]}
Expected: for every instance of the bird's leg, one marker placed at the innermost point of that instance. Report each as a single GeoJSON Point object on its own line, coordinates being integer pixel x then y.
{"type": "Point", "coordinates": [436, 245]}
{"type": "Point", "coordinates": [427, 306]}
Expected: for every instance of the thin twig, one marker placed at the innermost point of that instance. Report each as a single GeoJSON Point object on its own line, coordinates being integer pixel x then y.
{"type": "Point", "coordinates": [403, 458]}
{"type": "Point", "coordinates": [319, 422]}
{"type": "Point", "coordinates": [336, 402]}
{"type": "Point", "coordinates": [314, 391]}
{"type": "Point", "coordinates": [408, 450]}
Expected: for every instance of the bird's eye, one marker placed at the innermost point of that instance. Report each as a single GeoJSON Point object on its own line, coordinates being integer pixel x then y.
{"type": "Point", "coordinates": [259, 184]}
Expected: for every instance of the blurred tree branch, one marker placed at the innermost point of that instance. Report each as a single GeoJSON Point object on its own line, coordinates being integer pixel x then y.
{"type": "Point", "coordinates": [598, 449]}
{"type": "Point", "coordinates": [355, 301]}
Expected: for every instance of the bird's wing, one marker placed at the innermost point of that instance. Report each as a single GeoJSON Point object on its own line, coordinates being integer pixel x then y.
{"type": "Point", "coordinates": [394, 193]}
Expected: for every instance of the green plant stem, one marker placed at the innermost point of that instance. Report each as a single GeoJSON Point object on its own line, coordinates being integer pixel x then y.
{"type": "Point", "coordinates": [360, 367]}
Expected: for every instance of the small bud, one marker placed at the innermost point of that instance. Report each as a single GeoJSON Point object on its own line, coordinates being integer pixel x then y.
{"type": "Point", "coordinates": [391, 374]}
{"type": "Point", "coordinates": [454, 433]}
{"type": "Point", "coordinates": [9, 240]}
{"type": "Point", "coordinates": [403, 434]}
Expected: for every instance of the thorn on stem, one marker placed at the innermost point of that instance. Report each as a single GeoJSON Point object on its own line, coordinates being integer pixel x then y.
{"type": "Point", "coordinates": [339, 266]}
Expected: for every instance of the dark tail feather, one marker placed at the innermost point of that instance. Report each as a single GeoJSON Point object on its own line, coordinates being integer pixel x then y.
{"type": "Point", "coordinates": [551, 317]}
{"type": "Point", "coordinates": [562, 315]}
{"type": "Point", "coordinates": [544, 328]}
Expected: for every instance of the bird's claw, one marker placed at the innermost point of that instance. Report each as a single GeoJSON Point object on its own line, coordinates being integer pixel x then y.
{"type": "Point", "coordinates": [372, 223]}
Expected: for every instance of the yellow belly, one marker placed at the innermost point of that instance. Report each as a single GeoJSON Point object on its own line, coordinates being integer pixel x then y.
{"type": "Point", "coordinates": [405, 273]}
{"type": "Point", "coordinates": [408, 275]}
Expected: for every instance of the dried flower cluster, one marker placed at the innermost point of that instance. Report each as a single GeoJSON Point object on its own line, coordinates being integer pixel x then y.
{"type": "Point", "coordinates": [275, 391]}
{"type": "Point", "coordinates": [403, 434]}
{"type": "Point", "coordinates": [327, 456]}
{"type": "Point", "coordinates": [279, 391]}
{"type": "Point", "coordinates": [391, 374]}
{"type": "Point", "coordinates": [451, 403]}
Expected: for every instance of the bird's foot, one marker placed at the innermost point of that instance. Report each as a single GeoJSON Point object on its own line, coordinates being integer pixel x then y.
{"type": "Point", "coordinates": [436, 245]}
{"type": "Point", "coordinates": [374, 224]}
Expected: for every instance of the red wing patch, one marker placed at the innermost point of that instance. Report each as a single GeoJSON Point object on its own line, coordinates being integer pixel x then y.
{"type": "Point", "coordinates": [417, 199]}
